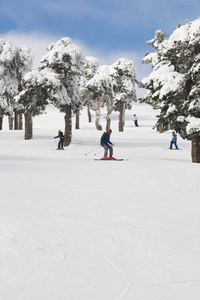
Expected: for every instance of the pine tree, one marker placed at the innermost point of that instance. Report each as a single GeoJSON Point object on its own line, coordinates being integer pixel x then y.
{"type": "Point", "coordinates": [124, 89]}
{"type": "Point", "coordinates": [57, 81]}
{"type": "Point", "coordinates": [14, 63]}
{"type": "Point", "coordinates": [39, 86]}
{"type": "Point", "coordinates": [90, 68]}
{"type": "Point", "coordinates": [174, 85]}
{"type": "Point", "coordinates": [66, 60]}
{"type": "Point", "coordinates": [113, 86]}
{"type": "Point", "coordinates": [100, 88]}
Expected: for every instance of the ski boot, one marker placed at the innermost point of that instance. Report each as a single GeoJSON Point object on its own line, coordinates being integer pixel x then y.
{"type": "Point", "coordinates": [105, 157]}
{"type": "Point", "coordinates": [111, 157]}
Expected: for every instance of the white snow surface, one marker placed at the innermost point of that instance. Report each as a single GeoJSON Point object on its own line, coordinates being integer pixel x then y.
{"type": "Point", "coordinates": [73, 228]}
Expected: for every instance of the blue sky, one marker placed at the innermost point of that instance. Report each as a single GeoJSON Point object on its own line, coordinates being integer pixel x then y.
{"type": "Point", "coordinates": [106, 29]}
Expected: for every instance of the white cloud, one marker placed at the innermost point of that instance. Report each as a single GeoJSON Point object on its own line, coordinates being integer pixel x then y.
{"type": "Point", "coordinates": [112, 56]}
{"type": "Point", "coordinates": [36, 41]}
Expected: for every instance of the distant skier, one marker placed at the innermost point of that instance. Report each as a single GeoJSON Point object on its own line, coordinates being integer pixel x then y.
{"type": "Point", "coordinates": [135, 120]}
{"type": "Point", "coordinates": [174, 140]}
{"type": "Point", "coordinates": [61, 139]}
{"type": "Point", "coordinates": [107, 145]}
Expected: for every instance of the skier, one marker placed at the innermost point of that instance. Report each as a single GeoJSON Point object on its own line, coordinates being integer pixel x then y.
{"type": "Point", "coordinates": [61, 139]}
{"type": "Point", "coordinates": [174, 140]}
{"type": "Point", "coordinates": [135, 120]}
{"type": "Point", "coordinates": [106, 144]}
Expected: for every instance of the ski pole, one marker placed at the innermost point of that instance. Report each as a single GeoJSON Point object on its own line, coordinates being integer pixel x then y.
{"type": "Point", "coordinates": [92, 151]}
{"type": "Point", "coordinates": [98, 152]}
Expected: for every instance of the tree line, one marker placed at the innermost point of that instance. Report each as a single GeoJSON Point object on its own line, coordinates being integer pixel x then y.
{"type": "Point", "coordinates": [70, 81]}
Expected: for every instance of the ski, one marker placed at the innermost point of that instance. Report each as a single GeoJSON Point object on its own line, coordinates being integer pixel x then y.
{"type": "Point", "coordinates": [117, 159]}
{"type": "Point", "coordinates": [174, 149]}
{"type": "Point", "coordinates": [57, 149]}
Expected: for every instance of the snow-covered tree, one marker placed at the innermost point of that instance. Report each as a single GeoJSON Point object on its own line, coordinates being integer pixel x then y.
{"type": "Point", "coordinates": [100, 89]}
{"type": "Point", "coordinates": [14, 63]}
{"type": "Point", "coordinates": [66, 60]}
{"type": "Point", "coordinates": [124, 88]}
{"type": "Point", "coordinates": [174, 84]}
{"type": "Point", "coordinates": [39, 86]}
{"type": "Point", "coordinates": [113, 86]}
{"type": "Point", "coordinates": [90, 68]}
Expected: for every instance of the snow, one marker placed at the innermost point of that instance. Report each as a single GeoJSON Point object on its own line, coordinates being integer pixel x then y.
{"type": "Point", "coordinates": [60, 51]}
{"type": "Point", "coordinates": [171, 109]}
{"type": "Point", "coordinates": [189, 31]}
{"type": "Point", "coordinates": [193, 125]}
{"type": "Point", "coordinates": [78, 229]}
{"type": "Point", "coordinates": [36, 77]}
{"type": "Point", "coordinates": [165, 76]}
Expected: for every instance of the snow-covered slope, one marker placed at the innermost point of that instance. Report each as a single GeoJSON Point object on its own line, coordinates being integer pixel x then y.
{"type": "Point", "coordinates": [73, 228]}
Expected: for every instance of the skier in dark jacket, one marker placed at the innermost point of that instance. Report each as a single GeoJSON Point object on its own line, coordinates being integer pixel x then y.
{"type": "Point", "coordinates": [107, 145]}
{"type": "Point", "coordinates": [174, 140]}
{"type": "Point", "coordinates": [61, 139]}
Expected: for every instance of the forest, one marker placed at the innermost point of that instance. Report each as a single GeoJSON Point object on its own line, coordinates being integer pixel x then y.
{"type": "Point", "coordinates": [71, 81]}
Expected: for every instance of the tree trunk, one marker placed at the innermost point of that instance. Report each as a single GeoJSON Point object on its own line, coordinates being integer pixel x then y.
{"type": "Point", "coordinates": [98, 125]}
{"type": "Point", "coordinates": [89, 114]}
{"type": "Point", "coordinates": [68, 126]}
{"type": "Point", "coordinates": [10, 122]}
{"type": "Point", "coordinates": [20, 120]}
{"type": "Point", "coordinates": [28, 125]}
{"type": "Point", "coordinates": [1, 122]}
{"type": "Point", "coordinates": [121, 117]}
{"type": "Point", "coordinates": [160, 128]}
{"type": "Point", "coordinates": [196, 149]}
{"type": "Point", "coordinates": [18, 123]}
{"type": "Point", "coordinates": [108, 119]}
{"type": "Point", "coordinates": [77, 126]}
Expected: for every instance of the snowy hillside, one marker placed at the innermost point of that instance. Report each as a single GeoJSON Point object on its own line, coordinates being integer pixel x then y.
{"type": "Point", "coordinates": [73, 228]}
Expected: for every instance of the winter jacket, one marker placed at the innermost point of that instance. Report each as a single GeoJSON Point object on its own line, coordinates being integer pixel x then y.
{"type": "Point", "coordinates": [174, 137]}
{"type": "Point", "coordinates": [105, 139]}
{"type": "Point", "coordinates": [60, 135]}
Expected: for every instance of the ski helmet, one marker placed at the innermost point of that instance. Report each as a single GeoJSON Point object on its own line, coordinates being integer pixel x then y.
{"type": "Point", "coordinates": [173, 131]}
{"type": "Point", "coordinates": [109, 130]}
